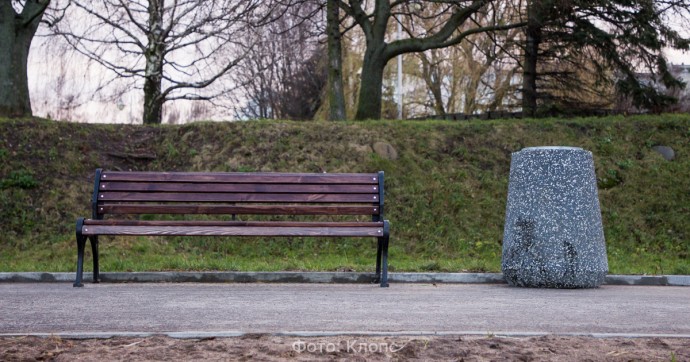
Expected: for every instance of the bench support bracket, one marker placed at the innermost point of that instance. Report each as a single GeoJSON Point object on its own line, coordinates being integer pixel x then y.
{"type": "Point", "coordinates": [382, 256]}
{"type": "Point", "coordinates": [81, 245]}
{"type": "Point", "coordinates": [94, 251]}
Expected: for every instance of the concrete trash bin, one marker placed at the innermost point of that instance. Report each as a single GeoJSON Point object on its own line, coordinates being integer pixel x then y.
{"type": "Point", "coordinates": [553, 235]}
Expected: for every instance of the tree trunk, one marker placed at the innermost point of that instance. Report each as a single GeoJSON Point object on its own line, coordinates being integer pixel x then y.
{"type": "Point", "coordinates": [371, 84]}
{"type": "Point", "coordinates": [153, 101]}
{"type": "Point", "coordinates": [529, 71]}
{"type": "Point", "coordinates": [336, 94]}
{"type": "Point", "coordinates": [433, 81]}
{"type": "Point", "coordinates": [153, 78]}
{"type": "Point", "coordinates": [16, 33]}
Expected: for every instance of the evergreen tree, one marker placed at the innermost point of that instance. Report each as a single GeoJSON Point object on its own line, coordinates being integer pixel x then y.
{"type": "Point", "coordinates": [614, 41]}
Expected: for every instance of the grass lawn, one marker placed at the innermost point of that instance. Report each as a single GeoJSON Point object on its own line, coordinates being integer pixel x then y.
{"type": "Point", "coordinates": [445, 191]}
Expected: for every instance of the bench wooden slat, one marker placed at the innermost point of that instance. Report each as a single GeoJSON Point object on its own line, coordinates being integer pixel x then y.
{"type": "Point", "coordinates": [179, 209]}
{"type": "Point", "coordinates": [231, 231]}
{"type": "Point", "coordinates": [232, 197]}
{"type": "Point", "coordinates": [244, 187]}
{"type": "Point", "coordinates": [240, 177]}
{"type": "Point", "coordinates": [367, 224]}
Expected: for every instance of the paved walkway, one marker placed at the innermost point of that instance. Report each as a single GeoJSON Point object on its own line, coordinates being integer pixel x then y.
{"type": "Point", "coordinates": [193, 309]}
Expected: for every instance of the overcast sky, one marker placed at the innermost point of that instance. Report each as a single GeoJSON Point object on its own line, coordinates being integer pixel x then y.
{"type": "Point", "coordinates": [678, 57]}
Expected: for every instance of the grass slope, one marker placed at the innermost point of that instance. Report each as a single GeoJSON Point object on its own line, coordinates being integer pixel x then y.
{"type": "Point", "coordinates": [445, 193]}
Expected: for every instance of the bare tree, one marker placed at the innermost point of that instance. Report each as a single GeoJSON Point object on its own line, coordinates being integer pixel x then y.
{"type": "Point", "coordinates": [19, 21]}
{"type": "Point", "coordinates": [175, 49]}
{"type": "Point", "coordinates": [462, 79]}
{"type": "Point", "coordinates": [473, 76]}
{"type": "Point", "coordinates": [285, 75]}
{"type": "Point", "coordinates": [450, 16]}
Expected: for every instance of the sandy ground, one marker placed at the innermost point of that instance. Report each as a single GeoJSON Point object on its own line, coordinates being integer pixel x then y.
{"type": "Point", "coordinates": [347, 348]}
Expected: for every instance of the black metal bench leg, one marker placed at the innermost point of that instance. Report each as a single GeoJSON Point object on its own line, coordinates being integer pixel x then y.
{"type": "Point", "coordinates": [384, 256]}
{"type": "Point", "coordinates": [384, 261]}
{"type": "Point", "coordinates": [377, 277]}
{"type": "Point", "coordinates": [94, 251]}
{"type": "Point", "coordinates": [81, 244]}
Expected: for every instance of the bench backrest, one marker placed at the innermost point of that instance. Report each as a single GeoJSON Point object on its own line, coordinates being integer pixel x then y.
{"type": "Point", "coordinates": [232, 193]}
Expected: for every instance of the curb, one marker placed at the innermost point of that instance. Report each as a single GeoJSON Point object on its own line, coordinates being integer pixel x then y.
{"type": "Point", "coordinates": [315, 277]}
{"type": "Point", "coordinates": [316, 334]}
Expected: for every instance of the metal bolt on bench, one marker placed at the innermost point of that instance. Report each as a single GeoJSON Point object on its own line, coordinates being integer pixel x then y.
{"type": "Point", "coordinates": [217, 193]}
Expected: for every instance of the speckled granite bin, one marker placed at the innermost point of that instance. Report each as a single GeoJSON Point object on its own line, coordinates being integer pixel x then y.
{"type": "Point", "coordinates": [553, 236]}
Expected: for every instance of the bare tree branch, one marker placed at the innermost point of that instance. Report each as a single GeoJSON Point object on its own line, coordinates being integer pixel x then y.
{"type": "Point", "coordinates": [169, 45]}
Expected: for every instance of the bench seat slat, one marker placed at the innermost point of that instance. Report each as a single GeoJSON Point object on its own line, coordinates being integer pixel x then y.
{"type": "Point", "coordinates": [231, 231]}
{"type": "Point", "coordinates": [246, 188]}
{"type": "Point", "coordinates": [180, 209]}
{"type": "Point", "coordinates": [232, 197]}
{"type": "Point", "coordinates": [239, 177]}
{"type": "Point", "coordinates": [115, 222]}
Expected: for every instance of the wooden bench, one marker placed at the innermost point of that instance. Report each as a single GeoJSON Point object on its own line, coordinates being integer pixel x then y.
{"type": "Point", "coordinates": [135, 193]}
